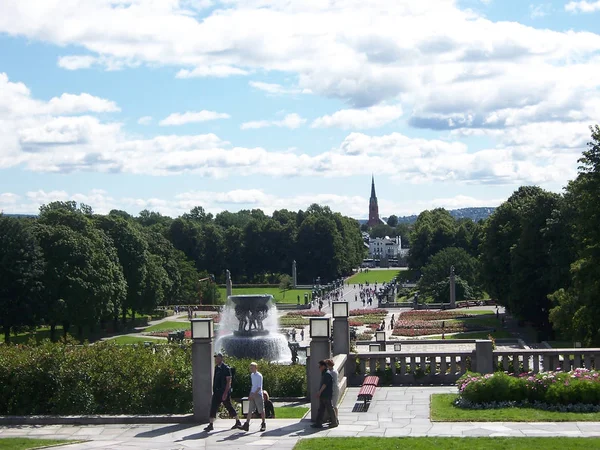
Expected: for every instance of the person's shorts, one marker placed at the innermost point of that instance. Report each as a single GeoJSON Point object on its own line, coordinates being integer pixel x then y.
{"type": "Point", "coordinates": [257, 403]}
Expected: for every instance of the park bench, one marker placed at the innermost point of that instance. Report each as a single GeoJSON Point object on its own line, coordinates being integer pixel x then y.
{"type": "Point", "coordinates": [176, 336]}
{"type": "Point", "coordinates": [367, 390]}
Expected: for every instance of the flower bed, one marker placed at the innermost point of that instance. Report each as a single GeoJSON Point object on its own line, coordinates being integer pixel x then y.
{"type": "Point", "coordinates": [424, 327]}
{"type": "Point", "coordinates": [433, 315]}
{"type": "Point", "coordinates": [368, 311]}
{"type": "Point", "coordinates": [578, 387]}
{"type": "Point", "coordinates": [307, 313]}
{"type": "Point", "coordinates": [293, 321]}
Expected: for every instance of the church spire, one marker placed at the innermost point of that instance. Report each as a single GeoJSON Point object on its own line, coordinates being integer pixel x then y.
{"type": "Point", "coordinates": [373, 187]}
{"type": "Point", "coordinates": [373, 207]}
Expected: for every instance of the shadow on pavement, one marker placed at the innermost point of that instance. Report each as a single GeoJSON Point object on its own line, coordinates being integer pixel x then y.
{"type": "Point", "coordinates": [165, 430]}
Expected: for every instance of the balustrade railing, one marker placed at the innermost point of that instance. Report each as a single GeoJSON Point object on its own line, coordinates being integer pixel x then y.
{"type": "Point", "coordinates": [409, 367]}
{"type": "Point", "coordinates": [544, 360]}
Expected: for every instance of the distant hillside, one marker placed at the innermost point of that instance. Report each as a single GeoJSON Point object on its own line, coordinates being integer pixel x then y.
{"type": "Point", "coordinates": [474, 214]}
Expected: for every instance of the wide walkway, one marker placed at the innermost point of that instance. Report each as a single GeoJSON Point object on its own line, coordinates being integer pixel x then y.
{"type": "Point", "coordinates": [398, 411]}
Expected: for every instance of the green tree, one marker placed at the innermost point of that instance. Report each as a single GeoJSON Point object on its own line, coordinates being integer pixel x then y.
{"type": "Point", "coordinates": [132, 250]}
{"type": "Point", "coordinates": [83, 279]}
{"type": "Point", "coordinates": [581, 300]}
{"type": "Point", "coordinates": [285, 283]}
{"type": "Point", "coordinates": [392, 221]}
{"type": "Point", "coordinates": [433, 231]}
{"type": "Point", "coordinates": [21, 271]}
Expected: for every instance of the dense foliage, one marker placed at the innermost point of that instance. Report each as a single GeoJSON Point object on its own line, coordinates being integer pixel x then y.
{"type": "Point", "coordinates": [118, 379]}
{"type": "Point", "coordinates": [581, 386]}
{"type": "Point", "coordinates": [72, 268]}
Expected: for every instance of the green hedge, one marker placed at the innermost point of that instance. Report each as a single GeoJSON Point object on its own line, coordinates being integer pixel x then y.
{"type": "Point", "coordinates": [279, 380]}
{"type": "Point", "coordinates": [105, 378]}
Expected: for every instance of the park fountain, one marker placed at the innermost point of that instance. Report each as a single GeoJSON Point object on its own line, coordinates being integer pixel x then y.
{"type": "Point", "coordinates": [249, 329]}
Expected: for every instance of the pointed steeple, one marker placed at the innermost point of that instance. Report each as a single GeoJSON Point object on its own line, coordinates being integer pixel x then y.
{"type": "Point", "coordinates": [373, 187]}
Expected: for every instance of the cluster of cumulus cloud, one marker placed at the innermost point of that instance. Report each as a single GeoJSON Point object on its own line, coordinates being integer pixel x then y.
{"type": "Point", "coordinates": [529, 93]}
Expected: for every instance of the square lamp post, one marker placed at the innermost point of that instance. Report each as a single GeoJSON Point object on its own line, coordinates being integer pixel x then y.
{"type": "Point", "coordinates": [380, 336]}
{"type": "Point", "coordinates": [202, 329]}
{"type": "Point", "coordinates": [340, 310]}
{"type": "Point", "coordinates": [202, 367]}
{"type": "Point", "coordinates": [245, 406]}
{"type": "Point", "coordinates": [319, 327]}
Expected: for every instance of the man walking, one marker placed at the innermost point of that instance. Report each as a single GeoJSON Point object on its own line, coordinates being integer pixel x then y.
{"type": "Point", "coordinates": [255, 398]}
{"type": "Point", "coordinates": [222, 393]}
{"type": "Point", "coordinates": [325, 393]}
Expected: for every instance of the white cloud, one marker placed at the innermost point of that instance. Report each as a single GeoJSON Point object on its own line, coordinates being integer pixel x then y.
{"type": "Point", "coordinates": [523, 151]}
{"type": "Point", "coordinates": [219, 71]}
{"type": "Point", "coordinates": [145, 120]}
{"type": "Point", "coordinates": [77, 104]}
{"type": "Point", "coordinates": [583, 6]}
{"type": "Point", "coordinates": [365, 53]}
{"type": "Point", "coordinates": [76, 62]}
{"type": "Point", "coordinates": [274, 88]}
{"type": "Point", "coordinates": [192, 117]}
{"type": "Point", "coordinates": [538, 11]}
{"type": "Point", "coordinates": [372, 117]}
{"type": "Point", "coordinates": [216, 201]}
{"type": "Point", "coordinates": [291, 121]}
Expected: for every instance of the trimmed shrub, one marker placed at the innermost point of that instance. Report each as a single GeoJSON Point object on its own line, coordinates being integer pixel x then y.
{"type": "Point", "coordinates": [580, 386]}
{"type": "Point", "coordinates": [105, 378]}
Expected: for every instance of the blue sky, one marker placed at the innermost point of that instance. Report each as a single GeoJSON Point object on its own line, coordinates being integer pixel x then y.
{"type": "Point", "coordinates": [236, 104]}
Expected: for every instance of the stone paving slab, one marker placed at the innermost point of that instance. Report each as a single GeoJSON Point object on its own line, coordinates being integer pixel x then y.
{"type": "Point", "coordinates": [398, 411]}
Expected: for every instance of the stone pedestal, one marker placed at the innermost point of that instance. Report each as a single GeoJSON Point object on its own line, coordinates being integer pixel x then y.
{"type": "Point", "coordinates": [484, 357]}
{"type": "Point", "coordinates": [320, 349]}
{"type": "Point", "coordinates": [203, 366]}
{"type": "Point", "coordinates": [294, 275]}
{"type": "Point", "coordinates": [341, 336]}
{"type": "Point", "coordinates": [452, 289]}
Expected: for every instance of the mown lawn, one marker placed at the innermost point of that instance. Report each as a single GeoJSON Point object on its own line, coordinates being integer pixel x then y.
{"type": "Point", "coordinates": [290, 412]}
{"type": "Point", "coordinates": [372, 276]}
{"type": "Point", "coordinates": [442, 410]}
{"type": "Point", "coordinates": [127, 340]}
{"type": "Point", "coordinates": [27, 444]}
{"type": "Point", "coordinates": [290, 296]}
{"type": "Point", "coordinates": [446, 443]}
{"type": "Point", "coordinates": [168, 325]}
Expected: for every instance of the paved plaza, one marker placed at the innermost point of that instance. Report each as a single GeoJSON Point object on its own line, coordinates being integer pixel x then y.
{"type": "Point", "coordinates": [395, 411]}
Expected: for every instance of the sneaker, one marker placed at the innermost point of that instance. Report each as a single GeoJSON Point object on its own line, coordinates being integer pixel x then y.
{"type": "Point", "coordinates": [237, 425]}
{"type": "Point", "coordinates": [333, 425]}
{"type": "Point", "coordinates": [263, 427]}
{"type": "Point", "coordinates": [316, 425]}
{"type": "Point", "coordinates": [245, 427]}
{"type": "Point", "coordinates": [209, 427]}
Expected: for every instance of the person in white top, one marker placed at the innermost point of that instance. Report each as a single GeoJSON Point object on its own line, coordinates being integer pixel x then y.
{"type": "Point", "coordinates": [335, 396]}
{"type": "Point", "coordinates": [255, 398]}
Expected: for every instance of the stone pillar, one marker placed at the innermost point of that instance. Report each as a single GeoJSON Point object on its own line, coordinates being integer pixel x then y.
{"type": "Point", "coordinates": [294, 275]}
{"type": "Point", "coordinates": [228, 284]}
{"type": "Point", "coordinates": [320, 349]}
{"type": "Point", "coordinates": [202, 378]}
{"type": "Point", "coordinates": [308, 370]}
{"type": "Point", "coordinates": [484, 356]}
{"type": "Point", "coordinates": [452, 289]}
{"type": "Point", "coordinates": [341, 336]}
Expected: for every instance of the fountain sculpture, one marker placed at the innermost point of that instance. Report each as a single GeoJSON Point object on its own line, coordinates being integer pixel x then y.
{"type": "Point", "coordinates": [249, 329]}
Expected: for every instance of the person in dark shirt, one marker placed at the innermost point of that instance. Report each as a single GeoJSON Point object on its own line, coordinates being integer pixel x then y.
{"type": "Point", "coordinates": [222, 393]}
{"type": "Point", "coordinates": [325, 393]}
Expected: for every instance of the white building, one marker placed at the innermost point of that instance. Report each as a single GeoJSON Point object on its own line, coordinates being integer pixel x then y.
{"type": "Point", "coordinates": [386, 248]}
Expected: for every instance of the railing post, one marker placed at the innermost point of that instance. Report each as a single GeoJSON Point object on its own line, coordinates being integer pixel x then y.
{"type": "Point", "coordinates": [484, 356]}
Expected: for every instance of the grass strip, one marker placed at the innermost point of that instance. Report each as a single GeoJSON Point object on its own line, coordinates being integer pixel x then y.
{"type": "Point", "coordinates": [442, 409]}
